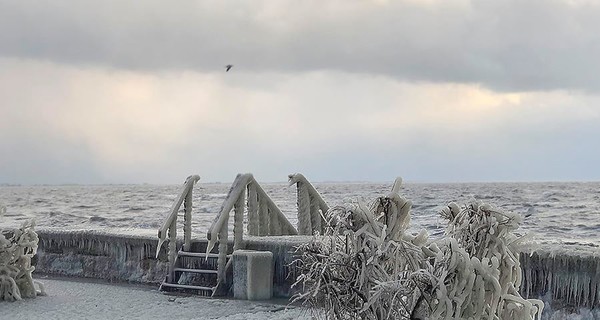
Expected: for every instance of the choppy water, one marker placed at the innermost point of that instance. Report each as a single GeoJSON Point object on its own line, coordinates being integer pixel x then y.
{"type": "Point", "coordinates": [553, 212]}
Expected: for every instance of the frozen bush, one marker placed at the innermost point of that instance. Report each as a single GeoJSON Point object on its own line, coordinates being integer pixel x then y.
{"type": "Point", "coordinates": [367, 266]}
{"type": "Point", "coordinates": [17, 247]}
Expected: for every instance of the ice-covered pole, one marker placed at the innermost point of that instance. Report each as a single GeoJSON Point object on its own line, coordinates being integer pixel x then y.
{"type": "Point", "coordinates": [304, 216]}
{"type": "Point", "coordinates": [187, 223]}
{"type": "Point", "coordinates": [252, 210]}
{"type": "Point", "coordinates": [238, 226]}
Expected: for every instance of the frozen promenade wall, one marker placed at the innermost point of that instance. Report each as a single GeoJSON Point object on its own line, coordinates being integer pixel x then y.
{"type": "Point", "coordinates": [92, 254]}
{"type": "Point", "coordinates": [131, 258]}
{"type": "Point", "coordinates": [567, 276]}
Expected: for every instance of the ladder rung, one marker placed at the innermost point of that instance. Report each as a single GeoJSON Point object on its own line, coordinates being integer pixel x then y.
{"type": "Point", "coordinates": [186, 286]}
{"type": "Point", "coordinates": [195, 270]}
{"type": "Point", "coordinates": [199, 254]}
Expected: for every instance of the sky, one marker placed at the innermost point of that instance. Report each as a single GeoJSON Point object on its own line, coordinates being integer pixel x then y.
{"type": "Point", "coordinates": [112, 91]}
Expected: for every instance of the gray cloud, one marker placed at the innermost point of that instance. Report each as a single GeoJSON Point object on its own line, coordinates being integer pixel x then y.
{"type": "Point", "coordinates": [66, 124]}
{"type": "Point", "coordinates": [505, 45]}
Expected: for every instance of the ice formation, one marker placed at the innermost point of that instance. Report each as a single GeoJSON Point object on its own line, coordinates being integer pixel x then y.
{"type": "Point", "coordinates": [17, 247]}
{"type": "Point", "coordinates": [367, 266]}
{"type": "Point", "coordinates": [484, 264]}
{"type": "Point", "coordinates": [102, 255]}
{"type": "Point", "coordinates": [565, 276]}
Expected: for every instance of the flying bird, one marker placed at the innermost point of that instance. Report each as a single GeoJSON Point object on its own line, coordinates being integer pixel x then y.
{"type": "Point", "coordinates": [227, 67]}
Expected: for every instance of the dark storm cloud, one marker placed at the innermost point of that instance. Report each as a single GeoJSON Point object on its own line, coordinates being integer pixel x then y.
{"type": "Point", "coordinates": [505, 45]}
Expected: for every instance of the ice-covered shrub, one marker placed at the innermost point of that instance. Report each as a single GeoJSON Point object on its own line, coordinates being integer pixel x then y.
{"type": "Point", "coordinates": [478, 268]}
{"type": "Point", "coordinates": [367, 266]}
{"type": "Point", "coordinates": [17, 247]}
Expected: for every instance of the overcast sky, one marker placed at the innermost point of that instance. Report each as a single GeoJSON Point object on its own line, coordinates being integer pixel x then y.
{"type": "Point", "coordinates": [107, 91]}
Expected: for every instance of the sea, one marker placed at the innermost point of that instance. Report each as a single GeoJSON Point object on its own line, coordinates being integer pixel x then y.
{"type": "Point", "coordinates": [553, 212]}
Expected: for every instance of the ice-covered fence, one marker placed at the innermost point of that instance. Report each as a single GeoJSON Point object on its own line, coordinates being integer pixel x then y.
{"type": "Point", "coordinates": [264, 218]}
{"type": "Point", "coordinates": [566, 276]}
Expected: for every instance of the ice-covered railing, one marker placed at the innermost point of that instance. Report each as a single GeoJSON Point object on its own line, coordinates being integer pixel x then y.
{"type": "Point", "coordinates": [311, 206]}
{"type": "Point", "coordinates": [170, 224]}
{"type": "Point", "coordinates": [264, 219]}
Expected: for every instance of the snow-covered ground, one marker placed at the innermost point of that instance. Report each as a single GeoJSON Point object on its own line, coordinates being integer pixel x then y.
{"type": "Point", "coordinates": [79, 299]}
{"type": "Point", "coordinates": [89, 299]}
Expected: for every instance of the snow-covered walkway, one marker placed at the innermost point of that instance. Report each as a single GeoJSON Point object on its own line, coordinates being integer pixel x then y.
{"type": "Point", "coordinates": [79, 299]}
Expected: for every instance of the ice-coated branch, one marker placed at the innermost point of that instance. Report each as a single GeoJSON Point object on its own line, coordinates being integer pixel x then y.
{"type": "Point", "coordinates": [485, 234]}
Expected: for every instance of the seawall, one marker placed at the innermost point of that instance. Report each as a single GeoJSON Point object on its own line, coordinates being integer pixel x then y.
{"type": "Point", "coordinates": [569, 277]}
{"type": "Point", "coordinates": [93, 254]}
{"type": "Point", "coordinates": [566, 275]}
{"type": "Point", "coordinates": [132, 258]}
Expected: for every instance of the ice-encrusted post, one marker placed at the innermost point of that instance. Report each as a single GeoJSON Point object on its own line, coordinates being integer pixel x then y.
{"type": "Point", "coordinates": [187, 221]}
{"type": "Point", "coordinates": [172, 248]}
{"type": "Point", "coordinates": [252, 210]}
{"type": "Point", "coordinates": [238, 226]}
{"type": "Point", "coordinates": [315, 216]}
{"type": "Point", "coordinates": [304, 216]}
{"type": "Point", "coordinates": [222, 260]}
{"type": "Point", "coordinates": [274, 224]}
{"type": "Point", "coordinates": [263, 217]}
